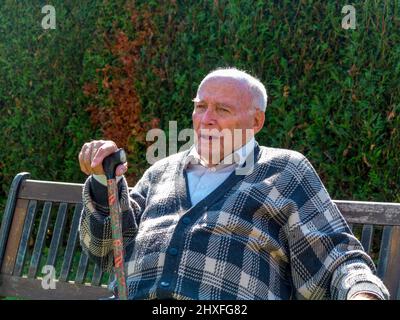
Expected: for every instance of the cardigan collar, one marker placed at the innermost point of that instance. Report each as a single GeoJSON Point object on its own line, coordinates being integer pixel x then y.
{"type": "Point", "coordinates": [237, 157]}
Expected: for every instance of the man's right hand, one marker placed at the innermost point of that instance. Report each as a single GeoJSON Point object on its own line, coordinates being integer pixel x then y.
{"type": "Point", "coordinates": [92, 155]}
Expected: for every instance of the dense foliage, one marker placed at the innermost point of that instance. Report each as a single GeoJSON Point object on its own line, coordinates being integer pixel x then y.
{"type": "Point", "coordinates": [115, 69]}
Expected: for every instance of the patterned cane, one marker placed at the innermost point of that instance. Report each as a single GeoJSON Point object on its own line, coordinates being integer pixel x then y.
{"type": "Point", "coordinates": [110, 163]}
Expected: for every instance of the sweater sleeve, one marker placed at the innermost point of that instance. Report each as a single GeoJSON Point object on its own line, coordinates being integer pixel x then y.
{"type": "Point", "coordinates": [327, 261]}
{"type": "Point", "coordinates": [95, 224]}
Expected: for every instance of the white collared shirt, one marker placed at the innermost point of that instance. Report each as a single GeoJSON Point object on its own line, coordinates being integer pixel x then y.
{"type": "Point", "coordinates": [202, 180]}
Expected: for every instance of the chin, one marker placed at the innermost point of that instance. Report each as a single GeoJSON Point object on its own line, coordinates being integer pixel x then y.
{"type": "Point", "coordinates": [207, 155]}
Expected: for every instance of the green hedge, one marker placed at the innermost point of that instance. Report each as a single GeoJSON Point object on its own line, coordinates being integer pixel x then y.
{"type": "Point", "coordinates": [43, 119]}
{"type": "Point", "coordinates": [334, 94]}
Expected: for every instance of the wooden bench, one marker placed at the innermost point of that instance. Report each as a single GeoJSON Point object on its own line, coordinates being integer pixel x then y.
{"type": "Point", "coordinates": [40, 227]}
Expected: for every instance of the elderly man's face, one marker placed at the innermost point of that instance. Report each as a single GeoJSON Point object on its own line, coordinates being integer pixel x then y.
{"type": "Point", "coordinates": [222, 113]}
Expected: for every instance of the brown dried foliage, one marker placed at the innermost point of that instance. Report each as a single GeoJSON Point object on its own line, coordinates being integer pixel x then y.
{"type": "Point", "coordinates": [120, 120]}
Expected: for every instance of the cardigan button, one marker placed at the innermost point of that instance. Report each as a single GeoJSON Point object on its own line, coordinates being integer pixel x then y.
{"type": "Point", "coordinates": [186, 220]}
{"type": "Point", "coordinates": [173, 251]}
{"type": "Point", "coordinates": [164, 284]}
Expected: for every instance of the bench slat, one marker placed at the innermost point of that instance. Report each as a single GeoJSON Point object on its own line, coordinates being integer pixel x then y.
{"type": "Point", "coordinates": [26, 234]}
{"type": "Point", "coordinates": [398, 291]}
{"type": "Point", "coordinates": [41, 235]}
{"type": "Point", "coordinates": [362, 212]}
{"type": "Point", "coordinates": [71, 244]}
{"type": "Point", "coordinates": [32, 289]}
{"type": "Point", "coordinates": [82, 268]}
{"type": "Point", "coordinates": [366, 237]}
{"type": "Point", "coordinates": [110, 277]}
{"type": "Point", "coordinates": [384, 252]}
{"type": "Point", "coordinates": [97, 274]}
{"type": "Point", "coordinates": [14, 237]}
{"type": "Point", "coordinates": [57, 234]}
{"type": "Point", "coordinates": [392, 276]}
{"type": "Point", "coordinates": [9, 212]}
{"type": "Point", "coordinates": [51, 191]}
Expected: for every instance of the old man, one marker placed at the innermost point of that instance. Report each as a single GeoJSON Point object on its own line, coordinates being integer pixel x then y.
{"type": "Point", "coordinates": [195, 227]}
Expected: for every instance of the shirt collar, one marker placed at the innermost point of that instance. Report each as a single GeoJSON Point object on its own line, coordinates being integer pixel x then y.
{"type": "Point", "coordinates": [238, 157]}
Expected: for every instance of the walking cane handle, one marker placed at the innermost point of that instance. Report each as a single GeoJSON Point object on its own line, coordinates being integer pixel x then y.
{"type": "Point", "coordinates": [111, 162]}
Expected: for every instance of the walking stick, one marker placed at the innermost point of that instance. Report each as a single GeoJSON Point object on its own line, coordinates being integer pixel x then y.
{"type": "Point", "coordinates": [110, 163]}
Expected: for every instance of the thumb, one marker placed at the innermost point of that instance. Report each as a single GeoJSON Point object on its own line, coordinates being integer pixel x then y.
{"type": "Point", "coordinates": [121, 169]}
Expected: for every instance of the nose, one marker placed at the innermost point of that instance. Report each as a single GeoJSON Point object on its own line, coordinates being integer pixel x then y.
{"type": "Point", "coordinates": [208, 117]}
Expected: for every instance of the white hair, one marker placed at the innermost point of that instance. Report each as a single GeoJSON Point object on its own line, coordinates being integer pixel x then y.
{"type": "Point", "coordinates": [256, 88]}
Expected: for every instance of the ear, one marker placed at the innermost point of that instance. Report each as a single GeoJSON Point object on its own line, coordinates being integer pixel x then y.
{"type": "Point", "coordinates": [259, 118]}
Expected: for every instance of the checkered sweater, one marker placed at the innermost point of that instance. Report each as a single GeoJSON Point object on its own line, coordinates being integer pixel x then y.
{"type": "Point", "coordinates": [272, 234]}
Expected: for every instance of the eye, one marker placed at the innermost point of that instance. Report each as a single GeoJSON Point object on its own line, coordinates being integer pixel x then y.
{"type": "Point", "coordinates": [223, 110]}
{"type": "Point", "coordinates": [200, 107]}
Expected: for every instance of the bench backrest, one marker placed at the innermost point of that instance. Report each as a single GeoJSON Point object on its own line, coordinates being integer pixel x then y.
{"type": "Point", "coordinates": [40, 228]}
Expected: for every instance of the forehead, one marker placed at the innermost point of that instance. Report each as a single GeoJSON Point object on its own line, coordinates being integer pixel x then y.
{"type": "Point", "coordinates": [227, 90]}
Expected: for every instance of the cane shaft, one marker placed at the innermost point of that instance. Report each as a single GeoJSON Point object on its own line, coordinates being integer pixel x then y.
{"type": "Point", "coordinates": [118, 247]}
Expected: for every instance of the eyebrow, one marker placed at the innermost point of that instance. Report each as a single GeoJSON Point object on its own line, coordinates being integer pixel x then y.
{"type": "Point", "coordinates": [197, 100]}
{"type": "Point", "coordinates": [224, 105]}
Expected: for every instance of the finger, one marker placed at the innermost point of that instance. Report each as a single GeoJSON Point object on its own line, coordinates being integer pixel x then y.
{"type": "Point", "coordinates": [87, 157]}
{"type": "Point", "coordinates": [82, 152]}
{"type": "Point", "coordinates": [81, 156]}
{"type": "Point", "coordinates": [97, 169]}
{"type": "Point", "coordinates": [83, 169]}
{"type": "Point", "coordinates": [97, 145]}
{"type": "Point", "coordinates": [103, 151]}
{"type": "Point", "coordinates": [121, 169]}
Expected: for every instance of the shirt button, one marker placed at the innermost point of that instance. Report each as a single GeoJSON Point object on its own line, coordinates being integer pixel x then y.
{"type": "Point", "coordinates": [164, 283]}
{"type": "Point", "coordinates": [205, 208]}
{"type": "Point", "coordinates": [213, 169]}
{"type": "Point", "coordinates": [173, 251]}
{"type": "Point", "coordinates": [186, 220]}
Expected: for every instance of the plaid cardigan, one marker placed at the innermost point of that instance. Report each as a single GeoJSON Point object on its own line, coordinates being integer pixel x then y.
{"type": "Point", "coordinates": [271, 234]}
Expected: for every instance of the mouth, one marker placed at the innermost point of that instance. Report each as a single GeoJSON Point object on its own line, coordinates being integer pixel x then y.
{"type": "Point", "coordinates": [209, 134]}
{"type": "Point", "coordinates": [209, 137]}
